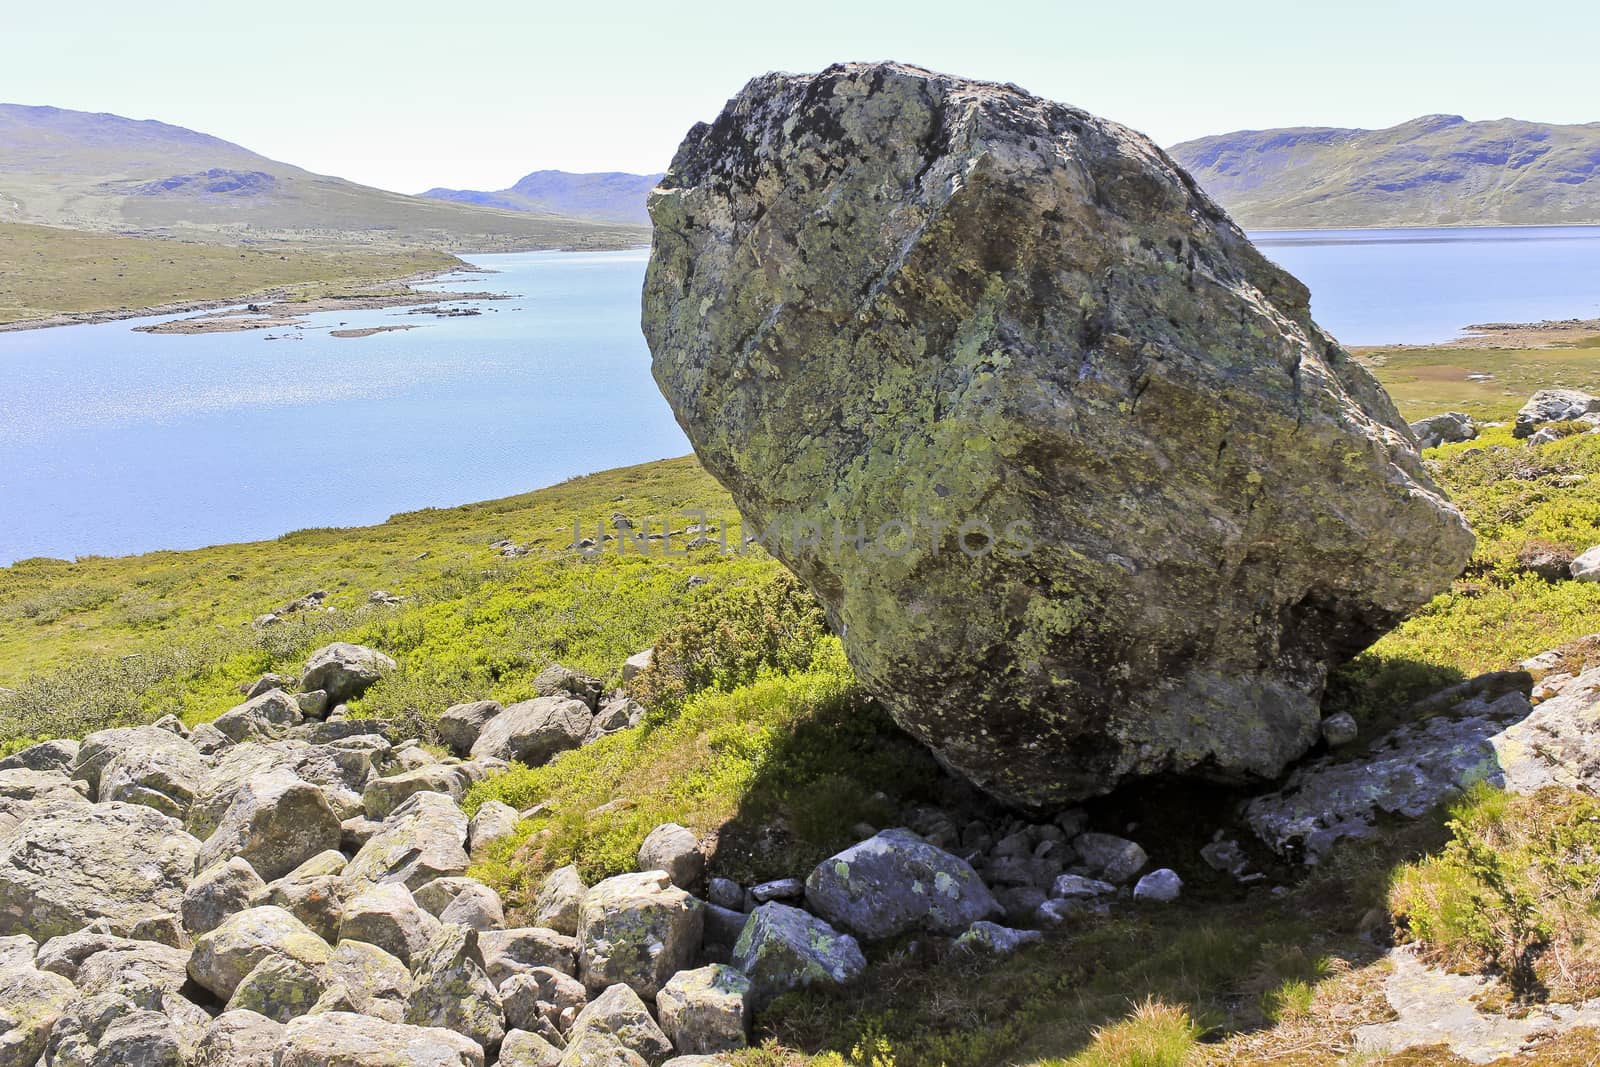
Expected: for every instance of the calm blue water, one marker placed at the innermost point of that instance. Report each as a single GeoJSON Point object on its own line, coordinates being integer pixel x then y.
{"type": "Point", "coordinates": [113, 441]}
{"type": "Point", "coordinates": [1373, 287]}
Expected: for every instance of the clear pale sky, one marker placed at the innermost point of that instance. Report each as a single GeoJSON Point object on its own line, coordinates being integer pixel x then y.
{"type": "Point", "coordinates": [474, 94]}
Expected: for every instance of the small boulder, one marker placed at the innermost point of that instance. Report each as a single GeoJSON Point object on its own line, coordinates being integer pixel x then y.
{"type": "Point", "coordinates": [619, 1014]}
{"type": "Point", "coordinates": [460, 725]}
{"type": "Point", "coordinates": [1160, 886]}
{"type": "Point", "coordinates": [280, 988]}
{"type": "Point", "coordinates": [423, 839]}
{"type": "Point", "coordinates": [783, 948]}
{"type": "Point", "coordinates": [639, 930]}
{"type": "Point", "coordinates": [385, 915]}
{"type": "Point", "coordinates": [535, 731]}
{"type": "Point", "coordinates": [383, 795]}
{"type": "Point", "coordinates": [276, 821]}
{"type": "Point", "coordinates": [239, 1039]}
{"type": "Point", "coordinates": [1340, 729]}
{"type": "Point", "coordinates": [559, 900]}
{"type": "Point", "coordinates": [344, 1039]}
{"type": "Point", "coordinates": [344, 671]}
{"type": "Point", "coordinates": [374, 981]}
{"type": "Point", "coordinates": [542, 993]}
{"type": "Point", "coordinates": [639, 661]}
{"type": "Point", "coordinates": [895, 882]}
{"type": "Point", "coordinates": [219, 891]}
{"type": "Point", "coordinates": [1586, 566]}
{"type": "Point", "coordinates": [995, 940]}
{"type": "Point", "coordinates": [1448, 428]}
{"type": "Point", "coordinates": [45, 756]}
{"type": "Point", "coordinates": [523, 1048]}
{"type": "Point", "coordinates": [1108, 857]}
{"type": "Point", "coordinates": [223, 957]}
{"type": "Point", "coordinates": [525, 949]}
{"type": "Point", "coordinates": [1553, 405]}
{"type": "Point", "coordinates": [263, 718]}
{"type": "Point", "coordinates": [560, 681]}
{"type": "Point", "coordinates": [451, 989]}
{"type": "Point", "coordinates": [30, 1003]}
{"type": "Point", "coordinates": [493, 821]}
{"type": "Point", "coordinates": [706, 1010]}
{"type": "Point", "coordinates": [676, 850]}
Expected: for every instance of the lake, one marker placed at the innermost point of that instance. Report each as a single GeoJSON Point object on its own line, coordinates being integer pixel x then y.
{"type": "Point", "coordinates": [115, 442]}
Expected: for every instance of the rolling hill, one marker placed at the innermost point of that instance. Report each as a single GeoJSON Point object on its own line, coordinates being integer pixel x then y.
{"type": "Point", "coordinates": [107, 173]}
{"type": "Point", "coordinates": [609, 196]}
{"type": "Point", "coordinates": [1438, 170]}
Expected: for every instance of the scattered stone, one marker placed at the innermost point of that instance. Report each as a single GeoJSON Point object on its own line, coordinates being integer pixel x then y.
{"type": "Point", "coordinates": [783, 889]}
{"type": "Point", "coordinates": [1140, 479]}
{"type": "Point", "coordinates": [639, 930]}
{"type": "Point", "coordinates": [1077, 887]}
{"type": "Point", "coordinates": [619, 1014]}
{"type": "Point", "coordinates": [559, 901]}
{"type": "Point", "coordinates": [383, 795]}
{"type": "Point", "coordinates": [706, 1010]}
{"type": "Point", "coordinates": [1553, 405]}
{"type": "Point", "coordinates": [995, 940]}
{"type": "Point", "coordinates": [639, 661]}
{"type": "Point", "coordinates": [783, 948]}
{"type": "Point", "coordinates": [276, 822]}
{"type": "Point", "coordinates": [896, 882]}
{"type": "Point", "coordinates": [460, 725]}
{"type": "Point", "coordinates": [1449, 428]}
{"type": "Point", "coordinates": [1160, 886]}
{"type": "Point", "coordinates": [620, 713]}
{"type": "Point", "coordinates": [676, 850]}
{"type": "Point", "coordinates": [1586, 566]}
{"type": "Point", "coordinates": [223, 956]}
{"type": "Point", "coordinates": [1225, 856]}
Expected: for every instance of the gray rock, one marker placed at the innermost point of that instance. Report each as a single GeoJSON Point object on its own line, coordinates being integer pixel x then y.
{"type": "Point", "coordinates": [1225, 856]}
{"type": "Point", "coordinates": [17, 950]}
{"type": "Point", "coordinates": [344, 671]}
{"type": "Point", "coordinates": [261, 718]}
{"type": "Point", "coordinates": [354, 833]}
{"type": "Point", "coordinates": [266, 684]}
{"type": "Point", "coordinates": [460, 725]}
{"type": "Point", "coordinates": [1110, 858]}
{"type": "Point", "coordinates": [276, 821]}
{"type": "Point", "coordinates": [596, 1049]}
{"type": "Point", "coordinates": [639, 661]}
{"type": "Point", "coordinates": [1160, 886]}
{"type": "Point", "coordinates": [493, 821]}
{"type": "Point", "coordinates": [383, 795]}
{"type": "Point", "coordinates": [639, 930]}
{"type": "Point", "coordinates": [535, 731]}
{"type": "Point", "coordinates": [45, 756]}
{"type": "Point", "coordinates": [218, 892]}
{"type": "Point", "coordinates": [423, 839]}
{"type": "Point", "coordinates": [1586, 566]}
{"type": "Point", "coordinates": [557, 680]}
{"type": "Point", "coordinates": [995, 940]}
{"type": "Point", "coordinates": [385, 915]}
{"type": "Point", "coordinates": [67, 865]}
{"type": "Point", "coordinates": [64, 955]}
{"type": "Point", "coordinates": [280, 988]}
{"type": "Point", "coordinates": [208, 740]}
{"type": "Point", "coordinates": [1020, 902]}
{"type": "Point", "coordinates": [1553, 405]}
{"type": "Point", "coordinates": [344, 1039]}
{"type": "Point", "coordinates": [376, 982]}
{"type": "Point", "coordinates": [239, 1039]}
{"type": "Point", "coordinates": [313, 705]}
{"type": "Point", "coordinates": [542, 993]}
{"type": "Point", "coordinates": [676, 850]}
{"type": "Point", "coordinates": [617, 713]}
{"type": "Point", "coordinates": [451, 989]}
{"type": "Point", "coordinates": [526, 949]}
{"type": "Point", "coordinates": [141, 765]}
{"type": "Point", "coordinates": [559, 900]}
{"type": "Point", "coordinates": [896, 882]}
{"type": "Point", "coordinates": [463, 900]}
{"type": "Point", "coordinates": [314, 892]}
{"type": "Point", "coordinates": [706, 1010]}
{"type": "Point", "coordinates": [523, 1048]}
{"type": "Point", "coordinates": [783, 889]}
{"type": "Point", "coordinates": [1180, 506]}
{"type": "Point", "coordinates": [723, 925]}
{"type": "Point", "coordinates": [223, 957]}
{"type": "Point", "coordinates": [620, 1015]}
{"type": "Point", "coordinates": [1340, 729]}
{"type": "Point", "coordinates": [30, 1003]}
{"type": "Point", "coordinates": [1449, 428]}
{"type": "Point", "coordinates": [726, 893]}
{"type": "Point", "coordinates": [108, 1030]}
{"type": "Point", "coordinates": [783, 949]}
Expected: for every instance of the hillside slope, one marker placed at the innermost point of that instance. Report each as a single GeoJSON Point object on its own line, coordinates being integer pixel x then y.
{"type": "Point", "coordinates": [1438, 170]}
{"type": "Point", "coordinates": [108, 173]}
{"type": "Point", "coordinates": [610, 196]}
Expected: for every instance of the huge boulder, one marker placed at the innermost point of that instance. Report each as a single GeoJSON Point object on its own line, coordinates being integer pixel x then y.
{"type": "Point", "coordinates": [1120, 502]}
{"type": "Point", "coordinates": [68, 865]}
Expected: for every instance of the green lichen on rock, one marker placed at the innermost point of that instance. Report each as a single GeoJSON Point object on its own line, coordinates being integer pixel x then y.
{"type": "Point", "coordinates": [879, 295]}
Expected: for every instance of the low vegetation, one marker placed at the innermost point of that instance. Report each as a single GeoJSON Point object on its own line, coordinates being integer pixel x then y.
{"type": "Point", "coordinates": [1485, 383]}
{"type": "Point", "coordinates": [47, 271]}
{"type": "Point", "coordinates": [759, 731]}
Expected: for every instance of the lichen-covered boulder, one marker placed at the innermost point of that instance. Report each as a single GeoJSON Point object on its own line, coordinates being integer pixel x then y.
{"type": "Point", "coordinates": [219, 891]}
{"type": "Point", "coordinates": [451, 988]}
{"type": "Point", "coordinates": [524, 1048]}
{"type": "Point", "coordinates": [344, 1039]}
{"type": "Point", "coordinates": [598, 1049]}
{"type": "Point", "coordinates": [459, 726]}
{"type": "Point", "coordinates": [619, 1014]}
{"type": "Point", "coordinates": [1553, 405]}
{"type": "Point", "coordinates": [706, 1010]}
{"type": "Point", "coordinates": [493, 821]}
{"type": "Point", "coordinates": [386, 915]}
{"type": "Point", "coordinates": [280, 988]}
{"type": "Point", "coordinates": [108, 1030]}
{"type": "Point", "coordinates": [30, 1002]}
{"type": "Point", "coordinates": [383, 795]}
{"type": "Point", "coordinates": [375, 982]}
{"type": "Point", "coordinates": [155, 768]}
{"type": "Point", "coordinates": [535, 731]}
{"type": "Point", "coordinates": [267, 716]}
{"type": "Point", "coordinates": [423, 839]}
{"type": "Point", "coordinates": [276, 822]}
{"type": "Point", "coordinates": [525, 949]}
{"type": "Point", "coordinates": [895, 882]}
{"type": "Point", "coordinates": [1120, 501]}
{"type": "Point", "coordinates": [70, 864]}
{"type": "Point", "coordinates": [344, 671]}
{"type": "Point", "coordinates": [784, 949]}
{"type": "Point", "coordinates": [639, 930]}
{"type": "Point", "coordinates": [223, 957]}
{"type": "Point", "coordinates": [559, 899]}
{"type": "Point", "coordinates": [676, 850]}
{"type": "Point", "coordinates": [56, 755]}
{"type": "Point", "coordinates": [239, 1039]}
{"type": "Point", "coordinates": [1445, 429]}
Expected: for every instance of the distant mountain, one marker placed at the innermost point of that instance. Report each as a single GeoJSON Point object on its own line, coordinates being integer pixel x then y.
{"type": "Point", "coordinates": [1439, 170]}
{"type": "Point", "coordinates": [610, 196]}
{"type": "Point", "coordinates": [104, 172]}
